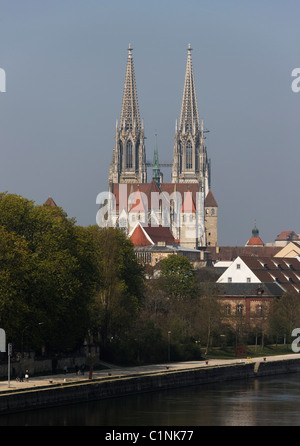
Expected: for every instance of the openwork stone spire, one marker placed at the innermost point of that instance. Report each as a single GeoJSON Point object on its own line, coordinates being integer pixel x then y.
{"type": "Point", "coordinates": [129, 158]}
{"type": "Point", "coordinates": [130, 116]}
{"type": "Point", "coordinates": [189, 118]}
{"type": "Point", "coordinates": [190, 163]}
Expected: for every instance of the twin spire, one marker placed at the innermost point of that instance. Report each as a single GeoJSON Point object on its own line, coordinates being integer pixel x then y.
{"type": "Point", "coordinates": [129, 159]}
{"type": "Point", "coordinates": [130, 116]}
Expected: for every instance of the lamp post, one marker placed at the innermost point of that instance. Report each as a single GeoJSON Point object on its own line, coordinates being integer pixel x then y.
{"type": "Point", "coordinates": [169, 338]}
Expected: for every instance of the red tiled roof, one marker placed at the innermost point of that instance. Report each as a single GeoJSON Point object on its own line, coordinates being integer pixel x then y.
{"type": "Point", "coordinates": [139, 238]}
{"type": "Point", "coordinates": [188, 203]}
{"type": "Point", "coordinates": [151, 235]}
{"type": "Point", "coordinates": [285, 272]}
{"type": "Point", "coordinates": [138, 205]}
{"type": "Point", "coordinates": [50, 202]}
{"type": "Point", "coordinates": [255, 241]}
{"type": "Point", "coordinates": [159, 234]}
{"type": "Point", "coordinates": [232, 252]}
{"type": "Point", "coordinates": [148, 188]}
{"type": "Point", "coordinates": [287, 235]}
{"type": "Point", "coordinates": [210, 200]}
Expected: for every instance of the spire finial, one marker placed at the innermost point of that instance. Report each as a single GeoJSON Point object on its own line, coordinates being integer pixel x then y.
{"type": "Point", "coordinates": [130, 116]}
{"type": "Point", "coordinates": [255, 231]}
{"type": "Point", "coordinates": [189, 119]}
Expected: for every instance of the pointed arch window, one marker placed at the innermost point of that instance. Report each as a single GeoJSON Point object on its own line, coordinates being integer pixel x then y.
{"type": "Point", "coordinates": [129, 155]}
{"type": "Point", "coordinates": [189, 155]}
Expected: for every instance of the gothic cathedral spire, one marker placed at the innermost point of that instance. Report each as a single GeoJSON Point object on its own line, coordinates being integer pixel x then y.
{"type": "Point", "coordinates": [190, 163]}
{"type": "Point", "coordinates": [129, 159]}
{"type": "Point", "coordinates": [189, 118]}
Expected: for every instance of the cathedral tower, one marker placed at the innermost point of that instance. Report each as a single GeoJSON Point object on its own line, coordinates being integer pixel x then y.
{"type": "Point", "coordinates": [129, 159]}
{"type": "Point", "coordinates": [190, 163]}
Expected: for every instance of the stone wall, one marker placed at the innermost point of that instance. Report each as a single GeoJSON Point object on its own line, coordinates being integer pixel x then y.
{"type": "Point", "coordinates": [40, 366]}
{"type": "Point", "coordinates": [54, 395]}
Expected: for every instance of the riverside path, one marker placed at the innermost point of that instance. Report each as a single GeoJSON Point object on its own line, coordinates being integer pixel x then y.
{"type": "Point", "coordinates": [113, 371]}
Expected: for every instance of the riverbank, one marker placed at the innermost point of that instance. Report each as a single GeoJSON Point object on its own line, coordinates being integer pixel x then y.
{"type": "Point", "coordinates": [46, 391]}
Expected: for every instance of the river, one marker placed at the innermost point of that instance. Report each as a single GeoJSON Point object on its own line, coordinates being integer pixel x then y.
{"type": "Point", "coordinates": [269, 401]}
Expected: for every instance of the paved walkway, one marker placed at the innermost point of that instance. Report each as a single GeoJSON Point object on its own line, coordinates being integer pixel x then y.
{"type": "Point", "coordinates": [116, 371]}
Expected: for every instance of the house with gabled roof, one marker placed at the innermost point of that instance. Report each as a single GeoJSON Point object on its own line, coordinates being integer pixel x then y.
{"type": "Point", "coordinates": [292, 249]}
{"type": "Point", "coordinates": [250, 284]}
{"type": "Point", "coordinates": [148, 235]}
{"type": "Point", "coordinates": [285, 237]}
{"type": "Point", "coordinates": [153, 244]}
{"type": "Point", "coordinates": [285, 272]}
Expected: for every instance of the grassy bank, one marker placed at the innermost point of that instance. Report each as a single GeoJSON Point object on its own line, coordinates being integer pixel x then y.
{"type": "Point", "coordinates": [251, 351]}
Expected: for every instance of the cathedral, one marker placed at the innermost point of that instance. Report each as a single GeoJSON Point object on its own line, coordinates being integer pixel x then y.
{"type": "Point", "coordinates": [186, 205]}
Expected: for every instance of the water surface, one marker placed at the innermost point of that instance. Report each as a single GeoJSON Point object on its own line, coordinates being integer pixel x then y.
{"type": "Point", "coordinates": [272, 401]}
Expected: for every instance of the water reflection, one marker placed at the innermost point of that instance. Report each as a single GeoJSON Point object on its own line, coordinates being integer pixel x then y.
{"type": "Point", "coordinates": [259, 402]}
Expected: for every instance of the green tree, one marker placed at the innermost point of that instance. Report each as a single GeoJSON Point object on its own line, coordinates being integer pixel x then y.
{"type": "Point", "coordinates": [50, 286]}
{"type": "Point", "coordinates": [285, 316]}
{"type": "Point", "coordinates": [178, 277]}
{"type": "Point", "coordinates": [119, 290]}
{"type": "Point", "coordinates": [208, 313]}
{"type": "Point", "coordinates": [14, 282]}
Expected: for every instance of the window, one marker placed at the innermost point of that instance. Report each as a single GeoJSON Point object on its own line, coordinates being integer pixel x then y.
{"type": "Point", "coordinates": [238, 266]}
{"type": "Point", "coordinates": [189, 155]}
{"type": "Point", "coordinates": [259, 310]}
{"type": "Point", "coordinates": [229, 279]}
{"type": "Point", "coordinates": [227, 310]}
{"type": "Point", "coordinates": [248, 279]}
{"type": "Point", "coordinates": [239, 309]}
{"type": "Point", "coordinates": [129, 155]}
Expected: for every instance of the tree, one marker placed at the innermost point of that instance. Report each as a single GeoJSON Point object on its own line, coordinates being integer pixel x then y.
{"type": "Point", "coordinates": [178, 277]}
{"type": "Point", "coordinates": [119, 290]}
{"type": "Point", "coordinates": [285, 316]}
{"type": "Point", "coordinates": [209, 312]}
{"type": "Point", "coordinates": [14, 282]}
{"type": "Point", "coordinates": [48, 283]}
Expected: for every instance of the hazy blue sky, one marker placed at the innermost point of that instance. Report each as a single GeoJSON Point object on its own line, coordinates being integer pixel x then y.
{"type": "Point", "coordinates": [65, 64]}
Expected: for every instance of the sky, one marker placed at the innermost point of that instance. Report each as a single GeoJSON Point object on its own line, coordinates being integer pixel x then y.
{"type": "Point", "coordinates": [65, 63]}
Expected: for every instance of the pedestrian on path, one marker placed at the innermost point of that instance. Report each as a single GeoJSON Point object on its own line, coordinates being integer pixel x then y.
{"type": "Point", "coordinates": [26, 376]}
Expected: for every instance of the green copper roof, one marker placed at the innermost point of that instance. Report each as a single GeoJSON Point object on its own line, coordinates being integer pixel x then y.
{"type": "Point", "coordinates": [156, 166]}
